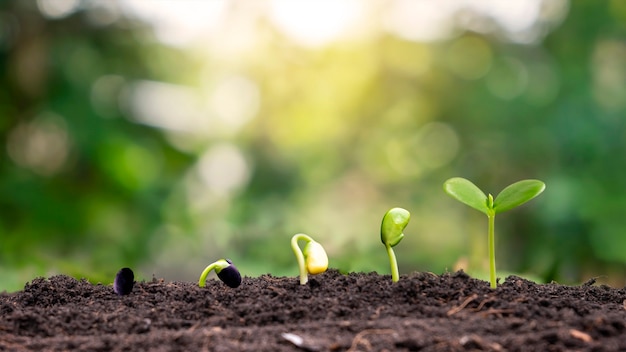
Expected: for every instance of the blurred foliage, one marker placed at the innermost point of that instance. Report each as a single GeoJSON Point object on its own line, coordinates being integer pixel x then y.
{"type": "Point", "coordinates": [121, 150]}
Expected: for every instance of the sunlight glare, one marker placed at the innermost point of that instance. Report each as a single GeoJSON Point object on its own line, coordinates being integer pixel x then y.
{"type": "Point", "coordinates": [223, 169]}
{"type": "Point", "coordinates": [523, 21]}
{"type": "Point", "coordinates": [315, 23]}
{"type": "Point", "coordinates": [57, 9]}
{"type": "Point", "coordinates": [420, 20]}
{"type": "Point", "coordinates": [235, 101]}
{"type": "Point", "coordinates": [167, 106]}
{"type": "Point", "coordinates": [179, 22]}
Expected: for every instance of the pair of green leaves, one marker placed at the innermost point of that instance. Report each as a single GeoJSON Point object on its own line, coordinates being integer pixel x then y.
{"type": "Point", "coordinates": [512, 196]}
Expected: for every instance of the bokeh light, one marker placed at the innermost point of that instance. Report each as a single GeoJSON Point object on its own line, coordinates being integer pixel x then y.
{"type": "Point", "coordinates": [164, 135]}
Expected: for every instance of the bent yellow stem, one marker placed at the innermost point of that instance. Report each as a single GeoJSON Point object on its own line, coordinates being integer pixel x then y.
{"type": "Point", "coordinates": [217, 266]}
{"type": "Point", "coordinates": [314, 259]}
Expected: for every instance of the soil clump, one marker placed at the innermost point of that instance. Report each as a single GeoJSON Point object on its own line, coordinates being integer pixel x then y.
{"type": "Point", "coordinates": [333, 312]}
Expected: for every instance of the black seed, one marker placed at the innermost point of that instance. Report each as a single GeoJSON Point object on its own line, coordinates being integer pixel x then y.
{"type": "Point", "coordinates": [230, 275]}
{"type": "Point", "coordinates": [124, 281]}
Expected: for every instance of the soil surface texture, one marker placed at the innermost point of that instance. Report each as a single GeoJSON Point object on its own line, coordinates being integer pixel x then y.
{"type": "Point", "coordinates": [333, 312]}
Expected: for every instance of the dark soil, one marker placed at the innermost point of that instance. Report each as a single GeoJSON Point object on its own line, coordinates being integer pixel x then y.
{"type": "Point", "coordinates": [333, 312]}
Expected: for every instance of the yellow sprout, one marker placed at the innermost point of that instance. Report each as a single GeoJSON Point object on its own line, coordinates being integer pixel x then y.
{"type": "Point", "coordinates": [315, 258]}
{"type": "Point", "coordinates": [313, 261]}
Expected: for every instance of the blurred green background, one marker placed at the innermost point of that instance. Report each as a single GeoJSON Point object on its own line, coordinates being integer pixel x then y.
{"type": "Point", "coordinates": [164, 135]}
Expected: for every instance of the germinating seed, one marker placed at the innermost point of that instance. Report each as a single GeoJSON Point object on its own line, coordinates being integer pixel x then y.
{"type": "Point", "coordinates": [230, 275]}
{"type": "Point", "coordinates": [124, 281]}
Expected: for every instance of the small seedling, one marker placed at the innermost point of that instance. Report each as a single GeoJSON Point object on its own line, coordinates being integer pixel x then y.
{"type": "Point", "coordinates": [225, 270]}
{"type": "Point", "coordinates": [394, 222]}
{"type": "Point", "coordinates": [124, 281]}
{"type": "Point", "coordinates": [312, 260]}
{"type": "Point", "coordinates": [510, 197]}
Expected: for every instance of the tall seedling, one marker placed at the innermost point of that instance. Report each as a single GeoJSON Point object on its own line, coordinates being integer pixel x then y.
{"type": "Point", "coordinates": [512, 196]}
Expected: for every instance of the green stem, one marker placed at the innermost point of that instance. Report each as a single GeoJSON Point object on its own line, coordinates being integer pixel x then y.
{"type": "Point", "coordinates": [492, 250]}
{"type": "Point", "coordinates": [220, 264]}
{"type": "Point", "coordinates": [299, 256]}
{"type": "Point", "coordinates": [395, 276]}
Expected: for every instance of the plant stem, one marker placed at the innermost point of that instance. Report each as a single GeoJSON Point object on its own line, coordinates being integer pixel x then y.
{"type": "Point", "coordinates": [395, 276]}
{"type": "Point", "coordinates": [299, 256]}
{"type": "Point", "coordinates": [220, 264]}
{"type": "Point", "coordinates": [492, 250]}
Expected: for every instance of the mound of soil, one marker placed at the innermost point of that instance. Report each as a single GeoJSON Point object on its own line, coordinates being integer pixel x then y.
{"type": "Point", "coordinates": [333, 312]}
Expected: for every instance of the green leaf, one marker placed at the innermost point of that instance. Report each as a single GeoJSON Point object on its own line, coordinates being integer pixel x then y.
{"type": "Point", "coordinates": [394, 222]}
{"type": "Point", "coordinates": [467, 193]}
{"type": "Point", "coordinates": [517, 194]}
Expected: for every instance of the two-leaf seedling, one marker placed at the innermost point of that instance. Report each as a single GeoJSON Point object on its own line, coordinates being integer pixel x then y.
{"type": "Point", "coordinates": [512, 196]}
{"type": "Point", "coordinates": [226, 271]}
{"type": "Point", "coordinates": [312, 260]}
{"type": "Point", "coordinates": [391, 233]}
